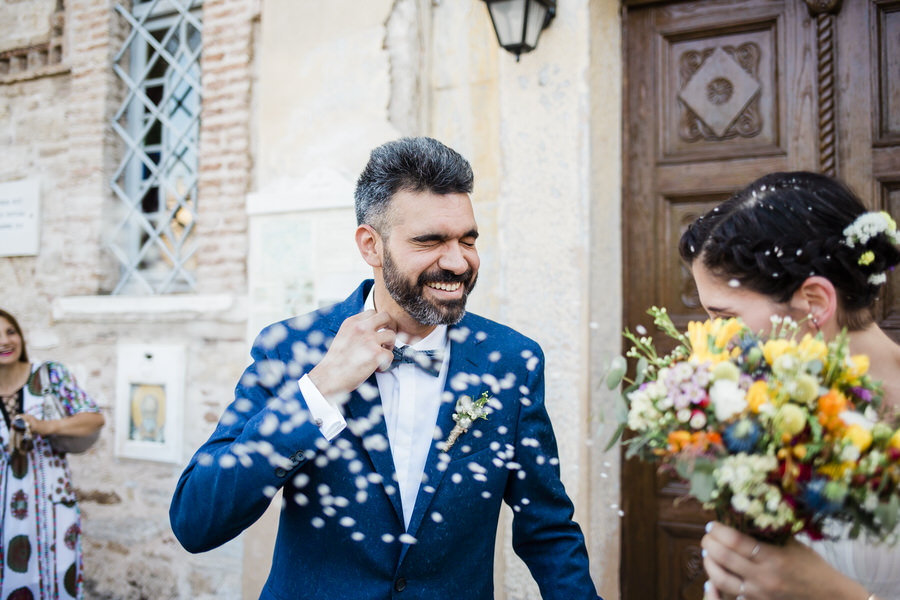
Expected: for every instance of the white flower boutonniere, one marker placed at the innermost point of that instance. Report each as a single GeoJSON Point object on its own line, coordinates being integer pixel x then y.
{"type": "Point", "coordinates": [467, 411]}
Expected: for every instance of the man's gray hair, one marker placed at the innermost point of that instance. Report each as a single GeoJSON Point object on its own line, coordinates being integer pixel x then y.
{"type": "Point", "coordinates": [416, 164]}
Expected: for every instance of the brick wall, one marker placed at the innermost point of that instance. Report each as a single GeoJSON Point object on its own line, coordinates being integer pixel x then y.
{"type": "Point", "coordinates": [54, 126]}
{"type": "Point", "coordinates": [225, 163]}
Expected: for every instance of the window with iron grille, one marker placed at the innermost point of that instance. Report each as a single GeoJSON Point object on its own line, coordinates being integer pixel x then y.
{"type": "Point", "coordinates": [158, 121]}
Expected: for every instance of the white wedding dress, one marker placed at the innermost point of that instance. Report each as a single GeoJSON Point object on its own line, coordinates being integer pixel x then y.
{"type": "Point", "coordinates": [874, 566]}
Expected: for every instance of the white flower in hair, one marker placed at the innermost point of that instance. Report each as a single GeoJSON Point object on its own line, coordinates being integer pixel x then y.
{"type": "Point", "coordinates": [868, 225]}
{"type": "Point", "coordinates": [877, 278]}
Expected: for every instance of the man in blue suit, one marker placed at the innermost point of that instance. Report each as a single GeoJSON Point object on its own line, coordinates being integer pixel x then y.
{"type": "Point", "coordinates": [394, 422]}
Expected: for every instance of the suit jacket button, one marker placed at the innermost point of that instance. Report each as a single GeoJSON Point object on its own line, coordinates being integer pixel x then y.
{"type": "Point", "coordinates": [400, 584]}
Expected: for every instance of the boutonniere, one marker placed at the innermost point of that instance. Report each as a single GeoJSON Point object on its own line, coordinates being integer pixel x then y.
{"type": "Point", "coordinates": [467, 411]}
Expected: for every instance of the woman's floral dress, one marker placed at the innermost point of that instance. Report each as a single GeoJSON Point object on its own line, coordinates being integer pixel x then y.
{"type": "Point", "coordinates": [40, 524]}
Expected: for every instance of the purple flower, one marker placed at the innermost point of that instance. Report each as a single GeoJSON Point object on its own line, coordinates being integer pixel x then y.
{"type": "Point", "coordinates": [861, 393]}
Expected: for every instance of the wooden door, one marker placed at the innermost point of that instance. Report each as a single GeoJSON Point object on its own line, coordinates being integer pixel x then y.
{"type": "Point", "coordinates": [717, 93]}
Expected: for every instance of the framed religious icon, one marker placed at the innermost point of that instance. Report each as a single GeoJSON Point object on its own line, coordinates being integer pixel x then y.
{"type": "Point", "coordinates": [149, 401]}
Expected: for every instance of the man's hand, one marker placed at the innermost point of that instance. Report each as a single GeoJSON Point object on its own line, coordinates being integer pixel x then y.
{"type": "Point", "coordinates": [363, 344]}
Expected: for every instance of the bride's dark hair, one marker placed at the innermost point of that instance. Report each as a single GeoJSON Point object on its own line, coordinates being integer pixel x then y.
{"type": "Point", "coordinates": [785, 227]}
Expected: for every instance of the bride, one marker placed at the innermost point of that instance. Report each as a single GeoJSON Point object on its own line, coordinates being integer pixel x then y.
{"type": "Point", "coordinates": [799, 245]}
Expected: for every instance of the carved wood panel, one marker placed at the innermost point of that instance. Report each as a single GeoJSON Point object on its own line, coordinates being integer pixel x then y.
{"type": "Point", "coordinates": [681, 572]}
{"type": "Point", "coordinates": [887, 78]}
{"type": "Point", "coordinates": [721, 92]}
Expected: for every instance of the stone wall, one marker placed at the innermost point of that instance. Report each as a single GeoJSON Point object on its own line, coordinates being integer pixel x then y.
{"type": "Point", "coordinates": [54, 126]}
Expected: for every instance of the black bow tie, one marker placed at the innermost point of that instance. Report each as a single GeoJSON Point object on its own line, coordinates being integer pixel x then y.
{"type": "Point", "coordinates": [427, 360]}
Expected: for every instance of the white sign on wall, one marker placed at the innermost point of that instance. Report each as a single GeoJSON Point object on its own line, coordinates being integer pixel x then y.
{"type": "Point", "coordinates": [20, 217]}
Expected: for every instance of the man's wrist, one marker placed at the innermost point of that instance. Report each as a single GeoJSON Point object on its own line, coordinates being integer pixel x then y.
{"type": "Point", "coordinates": [323, 413]}
{"type": "Point", "coordinates": [321, 381]}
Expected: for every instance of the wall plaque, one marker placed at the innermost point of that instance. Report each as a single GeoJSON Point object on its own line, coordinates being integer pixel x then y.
{"type": "Point", "coordinates": [20, 217]}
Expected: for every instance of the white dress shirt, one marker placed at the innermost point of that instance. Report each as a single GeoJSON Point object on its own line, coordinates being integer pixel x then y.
{"type": "Point", "coordinates": [411, 399]}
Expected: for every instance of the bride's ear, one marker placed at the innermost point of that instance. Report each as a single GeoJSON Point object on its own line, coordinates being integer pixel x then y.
{"type": "Point", "coordinates": [818, 297]}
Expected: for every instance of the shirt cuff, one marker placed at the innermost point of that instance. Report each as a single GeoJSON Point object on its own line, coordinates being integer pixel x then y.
{"type": "Point", "coordinates": [324, 414]}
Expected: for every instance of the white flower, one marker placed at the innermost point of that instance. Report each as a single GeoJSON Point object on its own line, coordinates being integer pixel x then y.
{"type": "Point", "coordinates": [740, 502]}
{"type": "Point", "coordinates": [877, 278]}
{"type": "Point", "coordinates": [850, 453]}
{"type": "Point", "coordinates": [868, 225]}
{"type": "Point", "coordinates": [698, 420]}
{"type": "Point", "coordinates": [851, 417]}
{"type": "Point", "coordinates": [683, 415]}
{"type": "Point", "coordinates": [727, 399]}
{"type": "Point", "coordinates": [665, 403]}
{"type": "Point", "coordinates": [683, 371]}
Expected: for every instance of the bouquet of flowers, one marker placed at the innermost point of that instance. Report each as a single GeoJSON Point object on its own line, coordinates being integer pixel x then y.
{"type": "Point", "coordinates": [778, 435]}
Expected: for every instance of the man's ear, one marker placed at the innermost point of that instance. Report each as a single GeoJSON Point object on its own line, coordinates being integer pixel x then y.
{"type": "Point", "coordinates": [370, 245]}
{"type": "Point", "coordinates": [818, 297]}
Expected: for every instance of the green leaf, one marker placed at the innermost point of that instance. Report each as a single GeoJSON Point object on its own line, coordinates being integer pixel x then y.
{"type": "Point", "coordinates": [635, 446]}
{"type": "Point", "coordinates": [642, 365]}
{"type": "Point", "coordinates": [615, 437]}
{"type": "Point", "coordinates": [702, 484]}
{"type": "Point", "coordinates": [699, 473]}
{"type": "Point", "coordinates": [617, 369]}
{"type": "Point", "coordinates": [888, 513]}
{"type": "Point", "coordinates": [621, 408]}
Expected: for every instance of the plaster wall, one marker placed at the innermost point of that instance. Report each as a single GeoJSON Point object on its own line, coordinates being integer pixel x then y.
{"type": "Point", "coordinates": [543, 138]}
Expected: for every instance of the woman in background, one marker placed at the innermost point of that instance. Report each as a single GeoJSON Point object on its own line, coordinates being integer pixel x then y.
{"type": "Point", "coordinates": [800, 245]}
{"type": "Point", "coordinates": [40, 525]}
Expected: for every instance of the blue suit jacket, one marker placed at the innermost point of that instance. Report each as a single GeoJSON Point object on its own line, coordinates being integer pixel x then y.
{"type": "Point", "coordinates": [341, 533]}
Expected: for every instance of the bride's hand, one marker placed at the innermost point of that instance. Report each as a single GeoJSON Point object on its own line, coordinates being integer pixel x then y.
{"type": "Point", "coordinates": [740, 566]}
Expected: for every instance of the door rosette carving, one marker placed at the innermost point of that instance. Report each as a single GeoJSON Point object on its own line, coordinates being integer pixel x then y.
{"type": "Point", "coordinates": [719, 93]}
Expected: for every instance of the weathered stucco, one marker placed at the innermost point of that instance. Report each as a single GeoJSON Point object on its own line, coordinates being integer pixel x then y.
{"type": "Point", "coordinates": [296, 94]}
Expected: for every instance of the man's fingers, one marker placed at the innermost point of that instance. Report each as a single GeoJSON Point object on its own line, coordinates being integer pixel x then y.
{"type": "Point", "coordinates": [386, 338]}
{"type": "Point", "coordinates": [383, 320]}
{"type": "Point", "coordinates": [385, 357]}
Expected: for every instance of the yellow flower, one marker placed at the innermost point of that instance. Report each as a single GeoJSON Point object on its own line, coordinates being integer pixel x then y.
{"type": "Point", "coordinates": [894, 442]}
{"type": "Point", "coordinates": [772, 349]}
{"type": "Point", "coordinates": [854, 368]}
{"type": "Point", "coordinates": [725, 330]}
{"type": "Point", "coordinates": [867, 258]}
{"type": "Point", "coordinates": [709, 339]}
{"type": "Point", "coordinates": [800, 451]}
{"type": "Point", "coordinates": [790, 419]}
{"type": "Point", "coordinates": [892, 225]}
{"type": "Point", "coordinates": [859, 436]}
{"type": "Point", "coordinates": [757, 395]}
{"type": "Point", "coordinates": [859, 366]}
{"type": "Point", "coordinates": [812, 348]}
{"type": "Point", "coordinates": [835, 471]}
{"type": "Point", "coordinates": [804, 388]}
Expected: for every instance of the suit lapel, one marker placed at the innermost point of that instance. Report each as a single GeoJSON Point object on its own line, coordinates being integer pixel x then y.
{"type": "Point", "coordinates": [375, 440]}
{"type": "Point", "coordinates": [465, 357]}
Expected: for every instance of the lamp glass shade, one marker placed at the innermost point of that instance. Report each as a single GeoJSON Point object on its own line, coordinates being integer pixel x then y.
{"type": "Point", "coordinates": [509, 20]}
{"type": "Point", "coordinates": [518, 23]}
{"type": "Point", "coordinates": [537, 13]}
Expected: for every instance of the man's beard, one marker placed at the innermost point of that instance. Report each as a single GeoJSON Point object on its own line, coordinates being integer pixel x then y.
{"type": "Point", "coordinates": [410, 297]}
